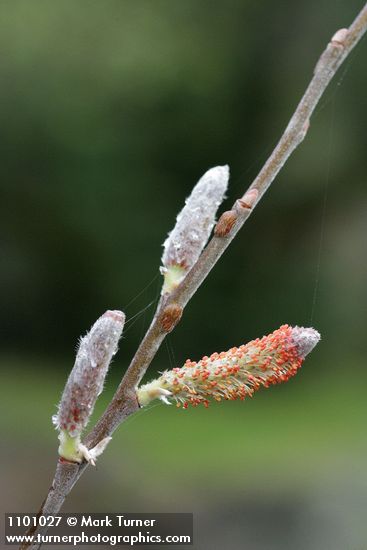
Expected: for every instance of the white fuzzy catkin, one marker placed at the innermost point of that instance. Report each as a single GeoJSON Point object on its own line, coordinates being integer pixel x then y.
{"type": "Point", "coordinates": [194, 224]}
{"type": "Point", "coordinates": [86, 379]}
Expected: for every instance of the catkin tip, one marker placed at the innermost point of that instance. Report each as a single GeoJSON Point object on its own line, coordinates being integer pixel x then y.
{"type": "Point", "coordinates": [305, 339]}
{"type": "Point", "coordinates": [115, 314]}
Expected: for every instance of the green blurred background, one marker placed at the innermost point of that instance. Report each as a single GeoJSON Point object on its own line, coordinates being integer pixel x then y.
{"type": "Point", "coordinates": [110, 111]}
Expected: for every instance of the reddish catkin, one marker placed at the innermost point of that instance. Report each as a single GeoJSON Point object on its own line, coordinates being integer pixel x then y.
{"type": "Point", "coordinates": [236, 373]}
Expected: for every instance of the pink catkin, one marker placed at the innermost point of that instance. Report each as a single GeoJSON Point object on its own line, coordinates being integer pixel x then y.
{"type": "Point", "coordinates": [86, 379]}
{"type": "Point", "coordinates": [238, 372]}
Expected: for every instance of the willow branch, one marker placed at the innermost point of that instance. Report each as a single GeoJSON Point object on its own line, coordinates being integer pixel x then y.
{"type": "Point", "coordinates": [170, 308]}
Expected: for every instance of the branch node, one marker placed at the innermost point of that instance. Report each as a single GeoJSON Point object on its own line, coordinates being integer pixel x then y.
{"type": "Point", "coordinates": [225, 223]}
{"type": "Point", "coordinates": [248, 200]}
{"type": "Point", "coordinates": [339, 38]}
{"type": "Point", "coordinates": [170, 317]}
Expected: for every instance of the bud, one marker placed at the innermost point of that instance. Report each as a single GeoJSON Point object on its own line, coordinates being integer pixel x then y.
{"type": "Point", "coordinates": [194, 223]}
{"type": "Point", "coordinates": [236, 373]}
{"type": "Point", "coordinates": [84, 385]}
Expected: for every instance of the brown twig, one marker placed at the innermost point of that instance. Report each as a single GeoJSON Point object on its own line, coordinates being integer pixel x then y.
{"type": "Point", "coordinates": [170, 308]}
